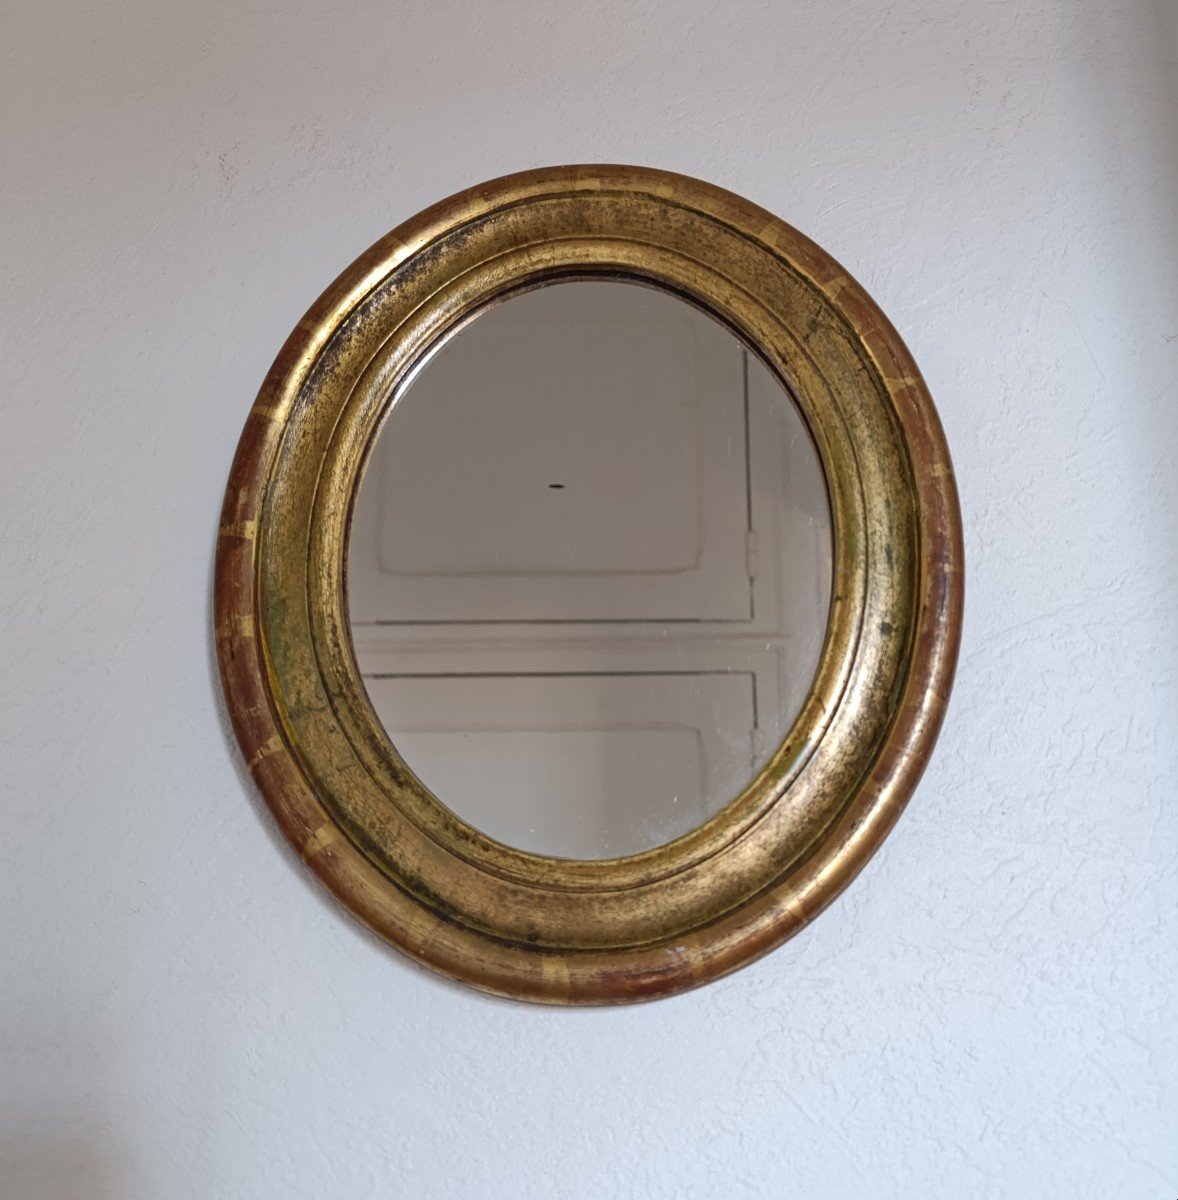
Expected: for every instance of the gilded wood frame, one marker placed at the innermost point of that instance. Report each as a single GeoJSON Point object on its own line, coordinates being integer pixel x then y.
{"type": "Point", "coordinates": [524, 925]}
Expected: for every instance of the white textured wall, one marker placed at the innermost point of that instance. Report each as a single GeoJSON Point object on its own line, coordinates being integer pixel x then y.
{"type": "Point", "coordinates": [990, 1012]}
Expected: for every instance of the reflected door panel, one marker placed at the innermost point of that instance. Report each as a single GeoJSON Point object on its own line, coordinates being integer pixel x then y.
{"type": "Point", "coordinates": [589, 572]}
{"type": "Point", "coordinates": [580, 461]}
{"type": "Point", "coordinates": [580, 766]}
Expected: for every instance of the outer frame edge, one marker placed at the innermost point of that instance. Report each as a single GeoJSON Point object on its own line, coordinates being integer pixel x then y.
{"type": "Point", "coordinates": [736, 938]}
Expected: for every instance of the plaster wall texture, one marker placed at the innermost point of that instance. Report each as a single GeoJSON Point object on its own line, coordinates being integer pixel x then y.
{"type": "Point", "coordinates": [989, 1011]}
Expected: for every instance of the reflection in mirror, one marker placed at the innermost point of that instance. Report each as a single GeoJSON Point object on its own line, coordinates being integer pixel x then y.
{"type": "Point", "coordinates": [589, 570]}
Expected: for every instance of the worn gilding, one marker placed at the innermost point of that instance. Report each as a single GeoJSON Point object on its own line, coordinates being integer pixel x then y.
{"type": "Point", "coordinates": [526, 925]}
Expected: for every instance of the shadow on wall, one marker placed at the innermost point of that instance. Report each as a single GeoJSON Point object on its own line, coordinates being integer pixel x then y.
{"type": "Point", "coordinates": [1159, 444]}
{"type": "Point", "coordinates": [79, 1161]}
{"type": "Point", "coordinates": [1165, 23]}
{"type": "Point", "coordinates": [51, 1145]}
{"type": "Point", "coordinates": [1165, 126]}
{"type": "Point", "coordinates": [1128, 91]}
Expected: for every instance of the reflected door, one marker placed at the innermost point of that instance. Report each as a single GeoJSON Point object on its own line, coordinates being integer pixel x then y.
{"type": "Point", "coordinates": [589, 570]}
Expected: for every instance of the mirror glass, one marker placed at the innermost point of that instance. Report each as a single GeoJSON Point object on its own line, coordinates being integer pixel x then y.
{"type": "Point", "coordinates": [589, 570]}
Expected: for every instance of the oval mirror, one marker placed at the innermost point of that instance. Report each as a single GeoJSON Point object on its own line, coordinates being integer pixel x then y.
{"type": "Point", "coordinates": [589, 584]}
{"type": "Point", "coordinates": [589, 569]}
